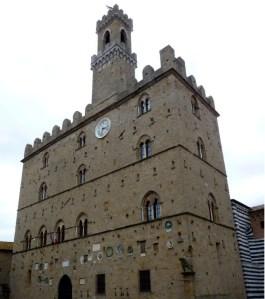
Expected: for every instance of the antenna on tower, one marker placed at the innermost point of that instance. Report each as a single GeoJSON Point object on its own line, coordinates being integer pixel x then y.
{"type": "Point", "coordinates": [109, 7]}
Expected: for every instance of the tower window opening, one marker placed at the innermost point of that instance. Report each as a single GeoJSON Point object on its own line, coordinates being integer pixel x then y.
{"type": "Point", "coordinates": [106, 38]}
{"type": "Point", "coordinates": [123, 36]}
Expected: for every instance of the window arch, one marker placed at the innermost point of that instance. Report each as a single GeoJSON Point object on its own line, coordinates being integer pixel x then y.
{"type": "Point", "coordinates": [201, 149]}
{"type": "Point", "coordinates": [45, 160]}
{"type": "Point", "coordinates": [59, 232]}
{"type": "Point", "coordinates": [151, 206]}
{"type": "Point", "coordinates": [81, 140]}
{"type": "Point", "coordinates": [43, 236]}
{"type": "Point", "coordinates": [145, 147]}
{"type": "Point", "coordinates": [27, 240]}
{"type": "Point", "coordinates": [123, 36]}
{"type": "Point", "coordinates": [43, 192]}
{"type": "Point", "coordinates": [81, 174]}
{"type": "Point", "coordinates": [144, 104]}
{"type": "Point", "coordinates": [82, 226]}
{"type": "Point", "coordinates": [106, 38]}
{"type": "Point", "coordinates": [195, 106]}
{"type": "Point", "coordinates": [212, 206]}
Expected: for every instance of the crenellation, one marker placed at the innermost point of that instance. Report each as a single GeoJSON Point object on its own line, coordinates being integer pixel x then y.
{"type": "Point", "coordinates": [46, 137]}
{"type": "Point", "coordinates": [202, 91]}
{"type": "Point", "coordinates": [210, 100]}
{"type": "Point", "coordinates": [114, 12]}
{"type": "Point", "coordinates": [181, 68]}
{"type": "Point", "coordinates": [191, 79]}
{"type": "Point", "coordinates": [77, 117]}
{"type": "Point", "coordinates": [66, 124]}
{"type": "Point", "coordinates": [37, 143]}
{"type": "Point", "coordinates": [148, 73]}
{"type": "Point", "coordinates": [55, 131]}
{"type": "Point", "coordinates": [167, 57]}
{"type": "Point", "coordinates": [88, 109]}
{"type": "Point", "coordinates": [28, 149]}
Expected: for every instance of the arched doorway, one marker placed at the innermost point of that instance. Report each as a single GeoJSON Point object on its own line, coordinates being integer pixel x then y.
{"type": "Point", "coordinates": [65, 288]}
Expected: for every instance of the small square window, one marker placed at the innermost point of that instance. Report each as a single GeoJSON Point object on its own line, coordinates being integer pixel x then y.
{"type": "Point", "coordinates": [156, 247]}
{"type": "Point", "coordinates": [142, 247]}
{"type": "Point", "coordinates": [145, 282]}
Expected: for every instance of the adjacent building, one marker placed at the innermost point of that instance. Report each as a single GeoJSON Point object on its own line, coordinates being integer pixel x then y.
{"type": "Point", "coordinates": [249, 224]}
{"type": "Point", "coordinates": [129, 199]}
{"type": "Point", "coordinates": [5, 265]}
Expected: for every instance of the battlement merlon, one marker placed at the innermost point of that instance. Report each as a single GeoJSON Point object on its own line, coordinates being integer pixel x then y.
{"type": "Point", "coordinates": [115, 12]}
{"type": "Point", "coordinates": [168, 60]}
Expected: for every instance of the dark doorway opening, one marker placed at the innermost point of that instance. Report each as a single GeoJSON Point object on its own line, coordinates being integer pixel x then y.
{"type": "Point", "coordinates": [65, 288]}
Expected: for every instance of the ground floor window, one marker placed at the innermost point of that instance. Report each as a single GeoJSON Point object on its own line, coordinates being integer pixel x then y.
{"type": "Point", "coordinates": [144, 281]}
{"type": "Point", "coordinates": [100, 281]}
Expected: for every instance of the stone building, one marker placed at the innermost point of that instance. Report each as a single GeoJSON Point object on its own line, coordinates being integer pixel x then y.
{"type": "Point", "coordinates": [5, 265]}
{"type": "Point", "coordinates": [249, 225]}
{"type": "Point", "coordinates": [130, 199]}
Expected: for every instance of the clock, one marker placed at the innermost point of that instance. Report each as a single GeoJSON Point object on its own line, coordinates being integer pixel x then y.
{"type": "Point", "coordinates": [102, 127]}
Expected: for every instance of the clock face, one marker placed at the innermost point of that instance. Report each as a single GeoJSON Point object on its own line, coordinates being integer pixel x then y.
{"type": "Point", "coordinates": [102, 128]}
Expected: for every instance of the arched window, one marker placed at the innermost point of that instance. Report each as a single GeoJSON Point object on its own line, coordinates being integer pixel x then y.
{"type": "Point", "coordinates": [144, 104]}
{"type": "Point", "coordinates": [123, 36]}
{"type": "Point", "coordinates": [201, 149]}
{"type": "Point", "coordinates": [106, 38]}
{"type": "Point", "coordinates": [43, 236]}
{"type": "Point", "coordinates": [82, 226]}
{"type": "Point", "coordinates": [27, 240]}
{"type": "Point", "coordinates": [45, 160]}
{"type": "Point", "coordinates": [81, 140]}
{"type": "Point", "coordinates": [81, 174]}
{"type": "Point", "coordinates": [195, 106]}
{"type": "Point", "coordinates": [145, 148]}
{"type": "Point", "coordinates": [151, 207]}
{"type": "Point", "coordinates": [43, 191]}
{"type": "Point", "coordinates": [59, 232]}
{"type": "Point", "coordinates": [213, 210]}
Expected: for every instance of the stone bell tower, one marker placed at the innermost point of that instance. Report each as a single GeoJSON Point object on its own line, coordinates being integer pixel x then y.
{"type": "Point", "coordinates": [114, 65]}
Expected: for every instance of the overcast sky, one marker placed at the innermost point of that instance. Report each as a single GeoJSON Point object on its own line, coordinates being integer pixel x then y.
{"type": "Point", "coordinates": [45, 51]}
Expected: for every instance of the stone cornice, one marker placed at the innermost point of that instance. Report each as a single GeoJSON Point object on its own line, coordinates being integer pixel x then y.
{"type": "Point", "coordinates": [116, 51]}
